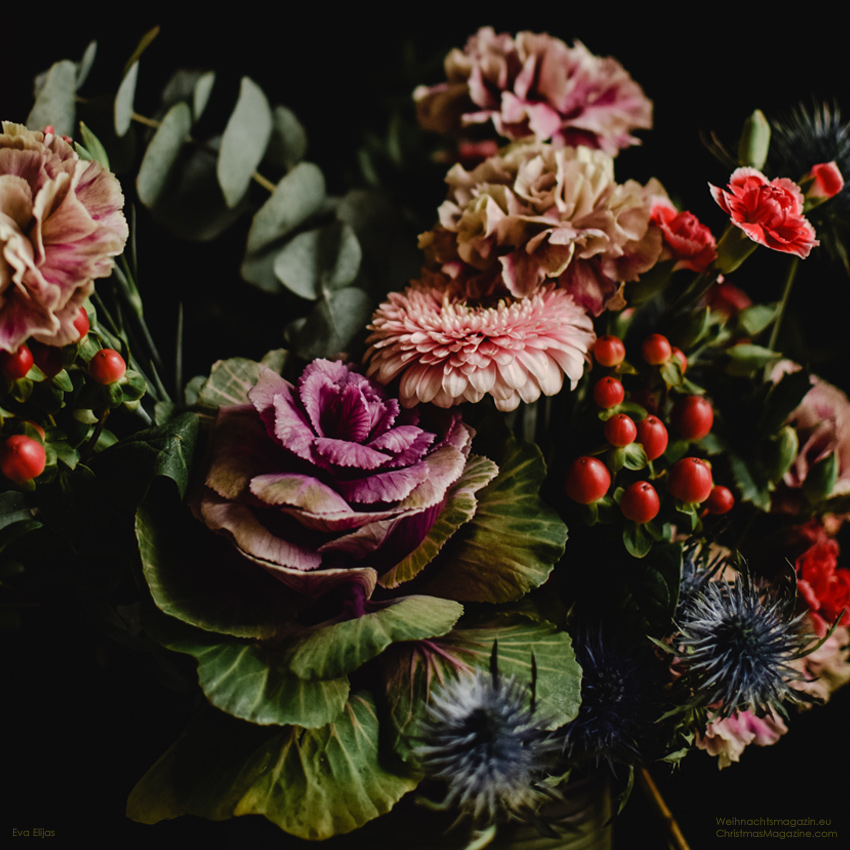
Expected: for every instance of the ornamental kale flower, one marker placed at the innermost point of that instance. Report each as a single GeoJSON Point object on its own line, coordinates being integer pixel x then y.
{"type": "Point", "coordinates": [536, 85]}
{"type": "Point", "coordinates": [622, 698]}
{"type": "Point", "coordinates": [535, 214]}
{"type": "Point", "coordinates": [735, 645]}
{"type": "Point", "coordinates": [448, 348]}
{"type": "Point", "coordinates": [329, 480]}
{"type": "Point", "coordinates": [481, 737]}
{"type": "Point", "coordinates": [60, 226]}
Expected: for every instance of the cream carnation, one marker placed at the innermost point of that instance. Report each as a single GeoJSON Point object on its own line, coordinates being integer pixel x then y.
{"type": "Point", "coordinates": [535, 213]}
{"type": "Point", "coordinates": [446, 349]}
{"type": "Point", "coordinates": [60, 225]}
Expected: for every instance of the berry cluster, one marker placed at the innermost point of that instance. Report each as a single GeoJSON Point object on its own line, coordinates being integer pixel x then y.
{"type": "Point", "coordinates": [57, 395]}
{"type": "Point", "coordinates": [639, 468]}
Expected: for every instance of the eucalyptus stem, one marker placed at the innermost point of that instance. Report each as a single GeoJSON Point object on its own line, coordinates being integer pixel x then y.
{"type": "Point", "coordinates": [783, 304]}
{"type": "Point", "coordinates": [654, 795]}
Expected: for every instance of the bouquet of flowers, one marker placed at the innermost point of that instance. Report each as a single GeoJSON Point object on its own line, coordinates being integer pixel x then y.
{"type": "Point", "coordinates": [535, 493]}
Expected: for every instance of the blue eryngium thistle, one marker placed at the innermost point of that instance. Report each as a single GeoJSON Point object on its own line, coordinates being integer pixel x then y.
{"type": "Point", "coordinates": [735, 643]}
{"type": "Point", "coordinates": [623, 689]}
{"type": "Point", "coordinates": [481, 737]}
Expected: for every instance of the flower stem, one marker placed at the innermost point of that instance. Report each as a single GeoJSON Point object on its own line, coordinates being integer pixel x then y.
{"type": "Point", "coordinates": [783, 304]}
{"type": "Point", "coordinates": [654, 795]}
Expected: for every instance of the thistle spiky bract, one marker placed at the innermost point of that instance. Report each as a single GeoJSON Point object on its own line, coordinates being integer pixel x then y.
{"type": "Point", "coordinates": [481, 736]}
{"type": "Point", "coordinates": [734, 644]}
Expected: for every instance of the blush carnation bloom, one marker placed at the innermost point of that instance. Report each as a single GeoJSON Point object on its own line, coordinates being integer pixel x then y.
{"type": "Point", "coordinates": [826, 180]}
{"type": "Point", "coordinates": [446, 349]}
{"type": "Point", "coordinates": [827, 668]}
{"type": "Point", "coordinates": [536, 85]}
{"type": "Point", "coordinates": [536, 213]}
{"type": "Point", "coordinates": [770, 212]}
{"type": "Point", "coordinates": [822, 422]}
{"type": "Point", "coordinates": [686, 239]}
{"type": "Point", "coordinates": [328, 481]}
{"type": "Point", "coordinates": [728, 737]}
{"type": "Point", "coordinates": [60, 225]}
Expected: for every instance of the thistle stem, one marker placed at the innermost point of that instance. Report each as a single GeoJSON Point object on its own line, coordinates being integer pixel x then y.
{"type": "Point", "coordinates": [783, 304]}
{"type": "Point", "coordinates": [654, 795]}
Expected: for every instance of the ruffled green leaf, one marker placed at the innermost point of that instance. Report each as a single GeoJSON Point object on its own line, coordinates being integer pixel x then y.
{"type": "Point", "coordinates": [199, 578]}
{"type": "Point", "coordinates": [244, 141]}
{"type": "Point", "coordinates": [334, 650]}
{"type": "Point", "coordinates": [459, 508]}
{"type": "Point", "coordinates": [162, 154]}
{"type": "Point", "coordinates": [312, 783]}
{"type": "Point", "coordinates": [319, 261]}
{"type": "Point", "coordinates": [250, 681]}
{"type": "Point", "coordinates": [411, 671]}
{"type": "Point", "coordinates": [54, 102]}
{"type": "Point", "coordinates": [511, 544]}
{"type": "Point", "coordinates": [230, 380]}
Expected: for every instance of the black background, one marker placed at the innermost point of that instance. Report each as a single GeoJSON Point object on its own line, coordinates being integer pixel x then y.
{"type": "Point", "coordinates": [81, 730]}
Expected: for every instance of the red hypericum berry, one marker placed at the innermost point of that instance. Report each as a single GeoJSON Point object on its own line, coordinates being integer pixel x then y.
{"type": "Point", "coordinates": [81, 323]}
{"type": "Point", "coordinates": [690, 480]}
{"type": "Point", "coordinates": [692, 417]}
{"type": "Point", "coordinates": [680, 356]}
{"type": "Point", "coordinates": [587, 480]}
{"type": "Point", "coordinates": [720, 500]}
{"type": "Point", "coordinates": [640, 502]}
{"type": "Point", "coordinates": [48, 358]}
{"type": "Point", "coordinates": [608, 392]}
{"type": "Point", "coordinates": [620, 430]}
{"type": "Point", "coordinates": [652, 435]}
{"type": "Point", "coordinates": [107, 366]}
{"type": "Point", "coordinates": [609, 351]}
{"type": "Point", "coordinates": [22, 458]}
{"type": "Point", "coordinates": [16, 365]}
{"type": "Point", "coordinates": [656, 349]}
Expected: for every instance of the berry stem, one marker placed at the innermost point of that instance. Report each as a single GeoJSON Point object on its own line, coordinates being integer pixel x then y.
{"type": "Point", "coordinates": [654, 796]}
{"type": "Point", "coordinates": [783, 304]}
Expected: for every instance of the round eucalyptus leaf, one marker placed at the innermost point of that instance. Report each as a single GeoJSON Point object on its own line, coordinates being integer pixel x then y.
{"type": "Point", "coordinates": [288, 142]}
{"type": "Point", "coordinates": [124, 100]}
{"type": "Point", "coordinates": [54, 103]}
{"type": "Point", "coordinates": [162, 154]}
{"type": "Point", "coordinates": [244, 141]}
{"type": "Point", "coordinates": [319, 261]}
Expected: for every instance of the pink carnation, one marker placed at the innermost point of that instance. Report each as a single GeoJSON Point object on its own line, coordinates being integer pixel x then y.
{"type": "Point", "coordinates": [686, 239]}
{"type": "Point", "coordinates": [536, 85]}
{"type": "Point", "coordinates": [770, 212]}
{"type": "Point", "coordinates": [60, 225]}
{"type": "Point", "coordinates": [446, 349]}
{"type": "Point", "coordinates": [827, 180]}
{"type": "Point", "coordinates": [727, 738]}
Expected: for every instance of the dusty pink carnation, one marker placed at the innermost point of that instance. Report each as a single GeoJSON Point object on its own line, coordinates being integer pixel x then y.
{"type": "Point", "coordinates": [535, 214]}
{"type": "Point", "coordinates": [727, 738]}
{"type": "Point", "coordinates": [822, 422]}
{"type": "Point", "coordinates": [770, 212]}
{"type": "Point", "coordinates": [536, 85]}
{"type": "Point", "coordinates": [60, 225]}
{"type": "Point", "coordinates": [827, 668]}
{"type": "Point", "coordinates": [446, 349]}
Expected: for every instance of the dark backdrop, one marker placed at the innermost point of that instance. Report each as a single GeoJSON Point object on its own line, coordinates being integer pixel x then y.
{"type": "Point", "coordinates": [83, 720]}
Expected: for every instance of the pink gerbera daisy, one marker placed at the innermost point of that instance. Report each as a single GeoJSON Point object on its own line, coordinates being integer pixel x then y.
{"type": "Point", "coordinates": [447, 349]}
